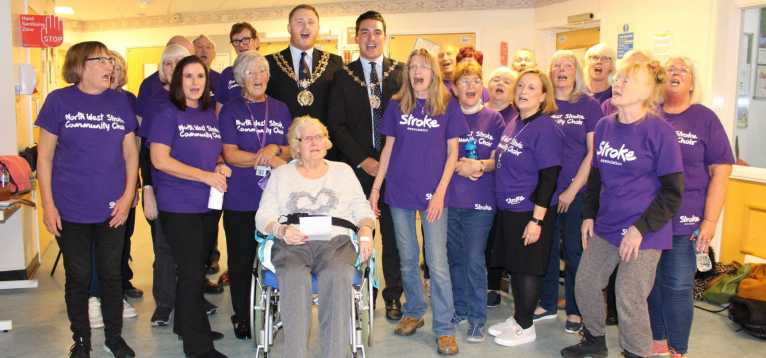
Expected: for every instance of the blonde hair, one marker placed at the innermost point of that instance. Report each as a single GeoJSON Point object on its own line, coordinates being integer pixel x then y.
{"type": "Point", "coordinates": [119, 64]}
{"type": "Point", "coordinates": [502, 71]}
{"type": "Point", "coordinates": [694, 94]}
{"type": "Point", "coordinates": [295, 132]}
{"type": "Point", "coordinates": [654, 72]}
{"type": "Point", "coordinates": [549, 105]}
{"type": "Point", "coordinates": [438, 95]}
{"type": "Point", "coordinates": [579, 84]}
{"type": "Point", "coordinates": [597, 50]}
{"type": "Point", "coordinates": [468, 67]}
{"type": "Point", "coordinates": [171, 51]}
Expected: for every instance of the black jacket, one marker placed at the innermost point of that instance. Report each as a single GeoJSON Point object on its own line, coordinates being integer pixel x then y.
{"type": "Point", "coordinates": [350, 117]}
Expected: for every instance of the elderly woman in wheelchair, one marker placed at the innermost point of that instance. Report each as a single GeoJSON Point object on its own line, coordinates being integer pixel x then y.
{"type": "Point", "coordinates": [316, 215]}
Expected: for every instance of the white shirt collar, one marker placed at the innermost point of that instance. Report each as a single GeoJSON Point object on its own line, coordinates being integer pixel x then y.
{"type": "Point", "coordinates": [296, 55]}
{"type": "Point", "coordinates": [366, 67]}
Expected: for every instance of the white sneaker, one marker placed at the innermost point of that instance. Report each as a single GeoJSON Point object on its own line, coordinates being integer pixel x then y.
{"type": "Point", "coordinates": [517, 336]}
{"type": "Point", "coordinates": [94, 313]}
{"type": "Point", "coordinates": [499, 328]}
{"type": "Point", "coordinates": [127, 310]}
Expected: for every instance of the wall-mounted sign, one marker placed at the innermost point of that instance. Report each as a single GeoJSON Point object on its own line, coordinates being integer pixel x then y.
{"type": "Point", "coordinates": [624, 41]}
{"type": "Point", "coordinates": [41, 30]}
{"type": "Point", "coordinates": [503, 53]}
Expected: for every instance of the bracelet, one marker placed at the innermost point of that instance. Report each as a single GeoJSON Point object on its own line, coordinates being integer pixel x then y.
{"type": "Point", "coordinates": [481, 162]}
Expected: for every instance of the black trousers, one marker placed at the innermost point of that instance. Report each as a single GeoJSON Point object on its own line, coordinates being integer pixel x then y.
{"type": "Point", "coordinates": [494, 274]}
{"type": "Point", "coordinates": [190, 241]}
{"type": "Point", "coordinates": [127, 273]}
{"type": "Point", "coordinates": [164, 268]}
{"type": "Point", "coordinates": [214, 255]}
{"type": "Point", "coordinates": [75, 242]}
{"type": "Point", "coordinates": [391, 269]}
{"type": "Point", "coordinates": [241, 248]}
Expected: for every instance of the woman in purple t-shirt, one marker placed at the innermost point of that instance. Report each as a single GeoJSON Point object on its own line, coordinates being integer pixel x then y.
{"type": "Point", "coordinates": [253, 129]}
{"type": "Point", "coordinates": [422, 124]}
{"type": "Point", "coordinates": [501, 93]}
{"type": "Point", "coordinates": [599, 65]}
{"type": "Point", "coordinates": [577, 116]}
{"type": "Point", "coordinates": [472, 202]}
{"type": "Point", "coordinates": [88, 167]}
{"type": "Point", "coordinates": [186, 155]}
{"type": "Point", "coordinates": [707, 159]}
{"type": "Point", "coordinates": [528, 166]}
{"type": "Point", "coordinates": [633, 190]}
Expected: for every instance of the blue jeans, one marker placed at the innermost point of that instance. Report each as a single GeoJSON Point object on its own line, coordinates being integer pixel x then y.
{"type": "Point", "coordinates": [567, 229]}
{"type": "Point", "coordinates": [467, 234]}
{"type": "Point", "coordinates": [435, 242]}
{"type": "Point", "coordinates": [671, 303]}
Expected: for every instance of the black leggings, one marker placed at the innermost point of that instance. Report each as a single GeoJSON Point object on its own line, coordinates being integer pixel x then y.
{"type": "Point", "coordinates": [526, 292]}
{"type": "Point", "coordinates": [241, 248]}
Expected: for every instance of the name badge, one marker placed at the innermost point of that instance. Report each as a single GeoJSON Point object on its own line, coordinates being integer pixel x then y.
{"type": "Point", "coordinates": [262, 170]}
{"type": "Point", "coordinates": [316, 227]}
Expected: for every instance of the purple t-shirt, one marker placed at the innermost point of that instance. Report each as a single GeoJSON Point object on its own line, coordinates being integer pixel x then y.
{"type": "Point", "coordinates": [194, 140]}
{"type": "Point", "coordinates": [215, 77]}
{"type": "Point", "coordinates": [153, 106]}
{"type": "Point", "coordinates": [88, 163]}
{"type": "Point", "coordinates": [420, 151]}
{"type": "Point", "coordinates": [150, 88]}
{"type": "Point", "coordinates": [508, 114]}
{"type": "Point", "coordinates": [237, 127]}
{"type": "Point", "coordinates": [607, 108]}
{"type": "Point", "coordinates": [603, 95]}
{"type": "Point", "coordinates": [630, 159]}
{"type": "Point", "coordinates": [576, 120]}
{"type": "Point", "coordinates": [525, 148]}
{"type": "Point", "coordinates": [226, 87]}
{"type": "Point", "coordinates": [703, 143]}
{"type": "Point", "coordinates": [485, 127]}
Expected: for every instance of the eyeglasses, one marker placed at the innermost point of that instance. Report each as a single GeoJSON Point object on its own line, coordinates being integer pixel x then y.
{"type": "Point", "coordinates": [468, 81]}
{"type": "Point", "coordinates": [683, 71]}
{"type": "Point", "coordinates": [596, 58]}
{"type": "Point", "coordinates": [102, 60]}
{"type": "Point", "coordinates": [242, 41]}
{"type": "Point", "coordinates": [313, 138]}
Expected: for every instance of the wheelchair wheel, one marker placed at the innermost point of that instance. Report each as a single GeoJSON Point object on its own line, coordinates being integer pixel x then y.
{"type": "Point", "coordinates": [257, 315]}
{"type": "Point", "coordinates": [367, 316]}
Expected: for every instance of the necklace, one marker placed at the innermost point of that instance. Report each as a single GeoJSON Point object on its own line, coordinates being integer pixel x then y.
{"type": "Point", "coordinates": [305, 98]}
{"type": "Point", "coordinates": [374, 99]}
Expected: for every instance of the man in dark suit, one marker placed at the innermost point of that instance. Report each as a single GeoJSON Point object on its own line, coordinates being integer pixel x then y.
{"type": "Point", "coordinates": [358, 99]}
{"type": "Point", "coordinates": [301, 74]}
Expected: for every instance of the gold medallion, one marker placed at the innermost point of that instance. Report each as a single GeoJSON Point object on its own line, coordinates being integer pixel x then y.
{"type": "Point", "coordinates": [374, 101]}
{"type": "Point", "coordinates": [305, 98]}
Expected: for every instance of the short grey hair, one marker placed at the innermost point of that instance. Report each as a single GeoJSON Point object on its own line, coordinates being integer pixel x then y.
{"type": "Point", "coordinates": [579, 85]}
{"type": "Point", "coordinates": [171, 51]}
{"type": "Point", "coordinates": [295, 132]}
{"type": "Point", "coordinates": [244, 60]}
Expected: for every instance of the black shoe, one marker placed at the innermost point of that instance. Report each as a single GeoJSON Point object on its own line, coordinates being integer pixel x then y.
{"type": "Point", "coordinates": [118, 347]}
{"type": "Point", "coordinates": [215, 336]}
{"type": "Point", "coordinates": [161, 316]}
{"type": "Point", "coordinates": [213, 268]}
{"type": "Point", "coordinates": [212, 288]}
{"type": "Point", "coordinates": [394, 310]}
{"type": "Point", "coordinates": [589, 346]}
{"type": "Point", "coordinates": [80, 348]}
{"type": "Point", "coordinates": [611, 320]}
{"type": "Point", "coordinates": [209, 307]}
{"type": "Point", "coordinates": [211, 354]}
{"type": "Point", "coordinates": [133, 292]}
{"type": "Point", "coordinates": [241, 328]}
{"type": "Point", "coordinates": [493, 299]}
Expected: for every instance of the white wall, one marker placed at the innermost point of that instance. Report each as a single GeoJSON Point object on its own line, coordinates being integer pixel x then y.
{"type": "Point", "coordinates": [514, 26]}
{"type": "Point", "coordinates": [7, 94]}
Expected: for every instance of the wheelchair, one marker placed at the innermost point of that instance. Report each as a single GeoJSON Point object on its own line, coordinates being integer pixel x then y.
{"type": "Point", "coordinates": [265, 319]}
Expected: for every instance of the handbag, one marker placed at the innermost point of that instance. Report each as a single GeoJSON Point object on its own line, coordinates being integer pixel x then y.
{"type": "Point", "coordinates": [724, 287]}
{"type": "Point", "coordinates": [20, 171]}
{"type": "Point", "coordinates": [753, 287]}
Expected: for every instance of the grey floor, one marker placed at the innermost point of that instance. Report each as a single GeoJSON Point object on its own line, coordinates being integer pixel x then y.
{"type": "Point", "coordinates": [41, 328]}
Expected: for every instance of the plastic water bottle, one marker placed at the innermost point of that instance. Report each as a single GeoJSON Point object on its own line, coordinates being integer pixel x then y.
{"type": "Point", "coordinates": [703, 259]}
{"type": "Point", "coordinates": [5, 177]}
{"type": "Point", "coordinates": [470, 149]}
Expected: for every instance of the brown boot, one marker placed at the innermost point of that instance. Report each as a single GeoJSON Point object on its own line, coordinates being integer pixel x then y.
{"type": "Point", "coordinates": [447, 345]}
{"type": "Point", "coordinates": [408, 325]}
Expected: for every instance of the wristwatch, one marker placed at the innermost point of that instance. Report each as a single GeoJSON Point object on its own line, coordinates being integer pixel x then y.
{"type": "Point", "coordinates": [536, 221]}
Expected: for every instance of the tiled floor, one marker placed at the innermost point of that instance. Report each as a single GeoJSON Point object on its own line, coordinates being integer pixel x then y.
{"type": "Point", "coordinates": [41, 328]}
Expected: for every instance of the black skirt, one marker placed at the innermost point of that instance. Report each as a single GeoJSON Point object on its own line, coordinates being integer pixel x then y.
{"type": "Point", "coordinates": [509, 251]}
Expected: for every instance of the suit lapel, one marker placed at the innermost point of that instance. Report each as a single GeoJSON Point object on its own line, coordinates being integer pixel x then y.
{"type": "Point", "coordinates": [315, 59]}
{"type": "Point", "coordinates": [356, 68]}
{"type": "Point", "coordinates": [389, 84]}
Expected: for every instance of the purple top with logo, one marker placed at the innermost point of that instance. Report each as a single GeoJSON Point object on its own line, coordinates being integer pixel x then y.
{"type": "Point", "coordinates": [226, 87]}
{"type": "Point", "coordinates": [150, 88]}
{"type": "Point", "coordinates": [603, 95]}
{"type": "Point", "coordinates": [508, 114]}
{"type": "Point", "coordinates": [485, 127]}
{"type": "Point", "coordinates": [703, 143]}
{"type": "Point", "coordinates": [153, 106]}
{"type": "Point", "coordinates": [576, 120]}
{"type": "Point", "coordinates": [88, 163]}
{"type": "Point", "coordinates": [194, 140]}
{"type": "Point", "coordinates": [630, 159]}
{"type": "Point", "coordinates": [420, 151]}
{"type": "Point", "coordinates": [237, 127]}
{"type": "Point", "coordinates": [526, 147]}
